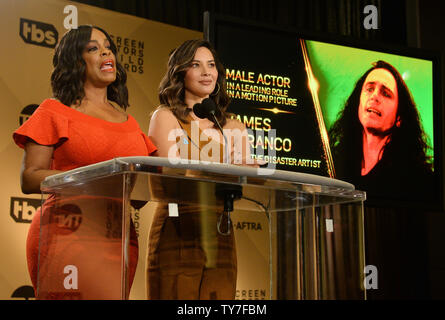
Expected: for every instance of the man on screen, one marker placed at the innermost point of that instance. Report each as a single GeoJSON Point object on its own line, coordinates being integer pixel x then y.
{"type": "Point", "coordinates": [377, 140]}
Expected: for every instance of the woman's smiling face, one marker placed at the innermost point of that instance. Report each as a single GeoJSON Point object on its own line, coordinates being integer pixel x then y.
{"type": "Point", "coordinates": [200, 78]}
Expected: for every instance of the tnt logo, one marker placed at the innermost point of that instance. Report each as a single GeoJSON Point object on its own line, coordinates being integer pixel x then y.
{"type": "Point", "coordinates": [38, 33]}
{"type": "Point", "coordinates": [23, 209]}
{"type": "Point", "coordinates": [27, 112]}
{"type": "Point", "coordinates": [67, 218]}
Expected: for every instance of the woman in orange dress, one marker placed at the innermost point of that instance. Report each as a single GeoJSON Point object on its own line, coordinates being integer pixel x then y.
{"type": "Point", "coordinates": [84, 123]}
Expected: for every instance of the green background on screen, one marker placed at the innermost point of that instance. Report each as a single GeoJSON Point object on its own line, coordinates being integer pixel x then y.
{"type": "Point", "coordinates": [337, 69]}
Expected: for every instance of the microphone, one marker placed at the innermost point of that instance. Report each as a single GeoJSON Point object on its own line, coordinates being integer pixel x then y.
{"type": "Point", "coordinates": [207, 110]}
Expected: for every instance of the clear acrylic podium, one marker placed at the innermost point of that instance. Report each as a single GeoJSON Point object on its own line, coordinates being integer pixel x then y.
{"type": "Point", "coordinates": [313, 234]}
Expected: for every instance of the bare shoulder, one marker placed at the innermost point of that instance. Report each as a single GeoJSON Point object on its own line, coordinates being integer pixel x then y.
{"type": "Point", "coordinates": [163, 112]}
{"type": "Point", "coordinates": [164, 115]}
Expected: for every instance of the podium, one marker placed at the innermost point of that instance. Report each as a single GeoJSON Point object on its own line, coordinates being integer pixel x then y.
{"type": "Point", "coordinates": [311, 244]}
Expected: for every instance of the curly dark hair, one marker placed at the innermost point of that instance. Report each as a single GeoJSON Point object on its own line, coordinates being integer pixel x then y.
{"type": "Point", "coordinates": [172, 89]}
{"type": "Point", "coordinates": [406, 145]}
{"type": "Point", "coordinates": [68, 76]}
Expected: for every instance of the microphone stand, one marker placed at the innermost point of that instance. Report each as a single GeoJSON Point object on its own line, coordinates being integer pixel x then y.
{"type": "Point", "coordinates": [229, 193]}
{"type": "Point", "coordinates": [224, 136]}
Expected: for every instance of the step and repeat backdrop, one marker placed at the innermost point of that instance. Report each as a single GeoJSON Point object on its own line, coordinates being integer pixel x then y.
{"type": "Point", "coordinates": [29, 32]}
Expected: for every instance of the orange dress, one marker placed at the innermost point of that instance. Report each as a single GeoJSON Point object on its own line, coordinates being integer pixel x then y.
{"type": "Point", "coordinates": [79, 140]}
{"type": "Point", "coordinates": [188, 259]}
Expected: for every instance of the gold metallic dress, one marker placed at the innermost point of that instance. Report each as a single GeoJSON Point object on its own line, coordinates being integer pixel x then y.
{"type": "Point", "coordinates": [187, 257]}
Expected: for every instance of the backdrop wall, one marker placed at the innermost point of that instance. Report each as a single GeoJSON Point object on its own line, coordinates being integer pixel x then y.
{"type": "Point", "coordinates": [29, 31]}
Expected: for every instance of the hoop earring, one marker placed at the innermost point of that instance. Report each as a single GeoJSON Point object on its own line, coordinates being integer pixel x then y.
{"type": "Point", "coordinates": [217, 91]}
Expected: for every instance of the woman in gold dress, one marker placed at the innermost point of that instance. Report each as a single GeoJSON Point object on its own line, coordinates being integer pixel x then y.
{"type": "Point", "coordinates": [188, 256]}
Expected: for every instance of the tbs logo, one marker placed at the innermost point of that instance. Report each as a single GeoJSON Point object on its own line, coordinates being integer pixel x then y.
{"type": "Point", "coordinates": [38, 33]}
{"type": "Point", "coordinates": [27, 112]}
{"type": "Point", "coordinates": [23, 209]}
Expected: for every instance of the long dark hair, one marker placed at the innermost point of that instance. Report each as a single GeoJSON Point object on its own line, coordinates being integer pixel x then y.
{"type": "Point", "coordinates": [408, 140]}
{"type": "Point", "coordinates": [172, 89]}
{"type": "Point", "coordinates": [67, 78]}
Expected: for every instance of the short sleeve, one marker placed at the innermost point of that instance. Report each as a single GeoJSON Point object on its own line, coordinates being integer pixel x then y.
{"type": "Point", "coordinates": [150, 146]}
{"type": "Point", "coordinates": [44, 127]}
